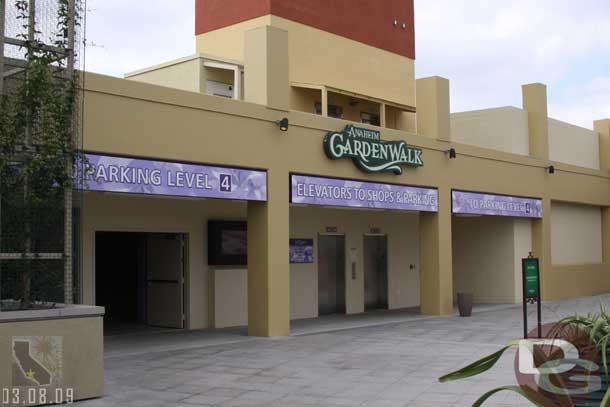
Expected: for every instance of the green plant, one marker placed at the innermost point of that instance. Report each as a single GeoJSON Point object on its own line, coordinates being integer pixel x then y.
{"type": "Point", "coordinates": [597, 326]}
{"type": "Point", "coordinates": [38, 154]}
{"type": "Point", "coordinates": [486, 363]}
{"type": "Point", "coordinates": [594, 328]}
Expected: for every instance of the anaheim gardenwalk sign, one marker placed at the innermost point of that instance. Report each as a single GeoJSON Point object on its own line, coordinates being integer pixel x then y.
{"type": "Point", "coordinates": [369, 152]}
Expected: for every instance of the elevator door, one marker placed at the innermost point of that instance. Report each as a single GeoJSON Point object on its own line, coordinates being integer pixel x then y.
{"type": "Point", "coordinates": [331, 274]}
{"type": "Point", "coordinates": [165, 280]}
{"type": "Point", "coordinates": [375, 272]}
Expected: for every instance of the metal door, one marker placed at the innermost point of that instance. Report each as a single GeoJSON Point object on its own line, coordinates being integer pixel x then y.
{"type": "Point", "coordinates": [331, 274]}
{"type": "Point", "coordinates": [375, 272]}
{"type": "Point", "coordinates": [165, 280]}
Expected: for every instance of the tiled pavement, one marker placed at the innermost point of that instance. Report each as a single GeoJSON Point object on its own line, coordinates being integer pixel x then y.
{"type": "Point", "coordinates": [390, 365]}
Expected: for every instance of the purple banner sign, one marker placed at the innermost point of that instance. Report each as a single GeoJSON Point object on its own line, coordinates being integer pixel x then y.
{"type": "Point", "coordinates": [137, 176]}
{"type": "Point", "coordinates": [498, 205]}
{"type": "Point", "coordinates": [357, 194]}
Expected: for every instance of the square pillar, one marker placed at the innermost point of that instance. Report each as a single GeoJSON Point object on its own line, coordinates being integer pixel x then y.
{"type": "Point", "coordinates": [433, 104]}
{"type": "Point", "coordinates": [535, 104]}
{"type": "Point", "coordinates": [268, 262]}
{"type": "Point", "coordinates": [324, 101]}
{"type": "Point", "coordinates": [541, 245]}
{"type": "Point", "coordinates": [266, 74]}
{"type": "Point", "coordinates": [602, 128]}
{"type": "Point", "coordinates": [606, 234]}
{"type": "Point", "coordinates": [203, 77]}
{"type": "Point", "coordinates": [436, 258]}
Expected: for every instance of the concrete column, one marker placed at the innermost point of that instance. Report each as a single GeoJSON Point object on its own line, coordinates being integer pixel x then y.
{"type": "Point", "coordinates": [535, 104]}
{"type": "Point", "coordinates": [203, 77]}
{"type": "Point", "coordinates": [433, 108]}
{"type": "Point", "coordinates": [602, 127]}
{"type": "Point", "coordinates": [436, 258]}
{"type": "Point", "coordinates": [324, 101]}
{"type": "Point", "coordinates": [266, 67]}
{"type": "Point", "coordinates": [268, 263]}
{"type": "Point", "coordinates": [606, 234]}
{"type": "Point", "coordinates": [541, 244]}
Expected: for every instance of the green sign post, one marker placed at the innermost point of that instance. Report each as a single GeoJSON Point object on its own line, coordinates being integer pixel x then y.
{"type": "Point", "coordinates": [369, 152]}
{"type": "Point", "coordinates": [531, 289]}
{"type": "Point", "coordinates": [532, 278]}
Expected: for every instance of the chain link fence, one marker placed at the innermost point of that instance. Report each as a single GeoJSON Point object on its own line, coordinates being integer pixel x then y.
{"type": "Point", "coordinates": [40, 133]}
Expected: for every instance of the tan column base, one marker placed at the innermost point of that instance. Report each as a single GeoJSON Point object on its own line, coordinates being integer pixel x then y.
{"type": "Point", "coordinates": [541, 245]}
{"type": "Point", "coordinates": [436, 258]}
{"type": "Point", "coordinates": [268, 267]}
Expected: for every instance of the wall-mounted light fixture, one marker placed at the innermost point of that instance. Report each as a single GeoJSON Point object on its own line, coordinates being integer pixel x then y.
{"type": "Point", "coordinates": [283, 124]}
{"type": "Point", "coordinates": [451, 153]}
{"type": "Point", "coordinates": [551, 169]}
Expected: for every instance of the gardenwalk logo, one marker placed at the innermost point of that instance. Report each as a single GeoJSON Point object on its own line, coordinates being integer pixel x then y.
{"type": "Point", "coordinates": [369, 152]}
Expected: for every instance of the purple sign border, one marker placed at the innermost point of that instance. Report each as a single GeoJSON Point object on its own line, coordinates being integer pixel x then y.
{"type": "Point", "coordinates": [132, 175]}
{"type": "Point", "coordinates": [464, 202]}
{"type": "Point", "coordinates": [349, 188]}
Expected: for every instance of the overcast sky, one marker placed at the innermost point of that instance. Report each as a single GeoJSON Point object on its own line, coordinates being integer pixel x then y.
{"type": "Point", "coordinates": [487, 48]}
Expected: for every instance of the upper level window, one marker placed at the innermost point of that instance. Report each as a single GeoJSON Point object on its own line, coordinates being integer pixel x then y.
{"type": "Point", "coordinates": [216, 88]}
{"type": "Point", "coordinates": [370, 118]}
{"type": "Point", "coordinates": [333, 110]}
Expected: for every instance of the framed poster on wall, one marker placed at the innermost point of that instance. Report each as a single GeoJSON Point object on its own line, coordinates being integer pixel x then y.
{"type": "Point", "coordinates": [227, 243]}
{"type": "Point", "coordinates": [301, 251]}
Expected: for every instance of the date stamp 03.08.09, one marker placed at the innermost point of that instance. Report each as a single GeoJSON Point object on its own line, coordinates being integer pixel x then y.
{"type": "Point", "coordinates": [36, 373]}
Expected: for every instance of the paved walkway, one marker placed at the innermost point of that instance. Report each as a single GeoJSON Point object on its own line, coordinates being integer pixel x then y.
{"type": "Point", "coordinates": [391, 360]}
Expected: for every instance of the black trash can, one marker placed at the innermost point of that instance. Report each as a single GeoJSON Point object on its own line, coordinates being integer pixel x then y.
{"type": "Point", "coordinates": [465, 304]}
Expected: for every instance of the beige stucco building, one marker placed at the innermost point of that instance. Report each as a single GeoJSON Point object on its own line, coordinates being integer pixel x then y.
{"type": "Point", "coordinates": [168, 248]}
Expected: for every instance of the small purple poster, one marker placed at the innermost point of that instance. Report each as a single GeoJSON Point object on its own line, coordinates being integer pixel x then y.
{"type": "Point", "coordinates": [358, 194]}
{"type": "Point", "coordinates": [473, 203]}
{"type": "Point", "coordinates": [301, 251]}
{"type": "Point", "coordinates": [138, 176]}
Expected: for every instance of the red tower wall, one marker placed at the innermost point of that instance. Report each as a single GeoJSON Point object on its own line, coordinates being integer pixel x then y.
{"type": "Point", "coordinates": [367, 21]}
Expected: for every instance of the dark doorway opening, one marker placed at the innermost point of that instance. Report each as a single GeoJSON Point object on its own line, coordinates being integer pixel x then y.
{"type": "Point", "coordinates": [139, 279]}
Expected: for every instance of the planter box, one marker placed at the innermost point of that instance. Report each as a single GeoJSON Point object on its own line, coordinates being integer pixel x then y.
{"type": "Point", "coordinates": [53, 355]}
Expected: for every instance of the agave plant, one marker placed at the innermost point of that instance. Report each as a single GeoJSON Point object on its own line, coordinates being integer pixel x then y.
{"type": "Point", "coordinates": [486, 363]}
{"type": "Point", "coordinates": [596, 329]}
